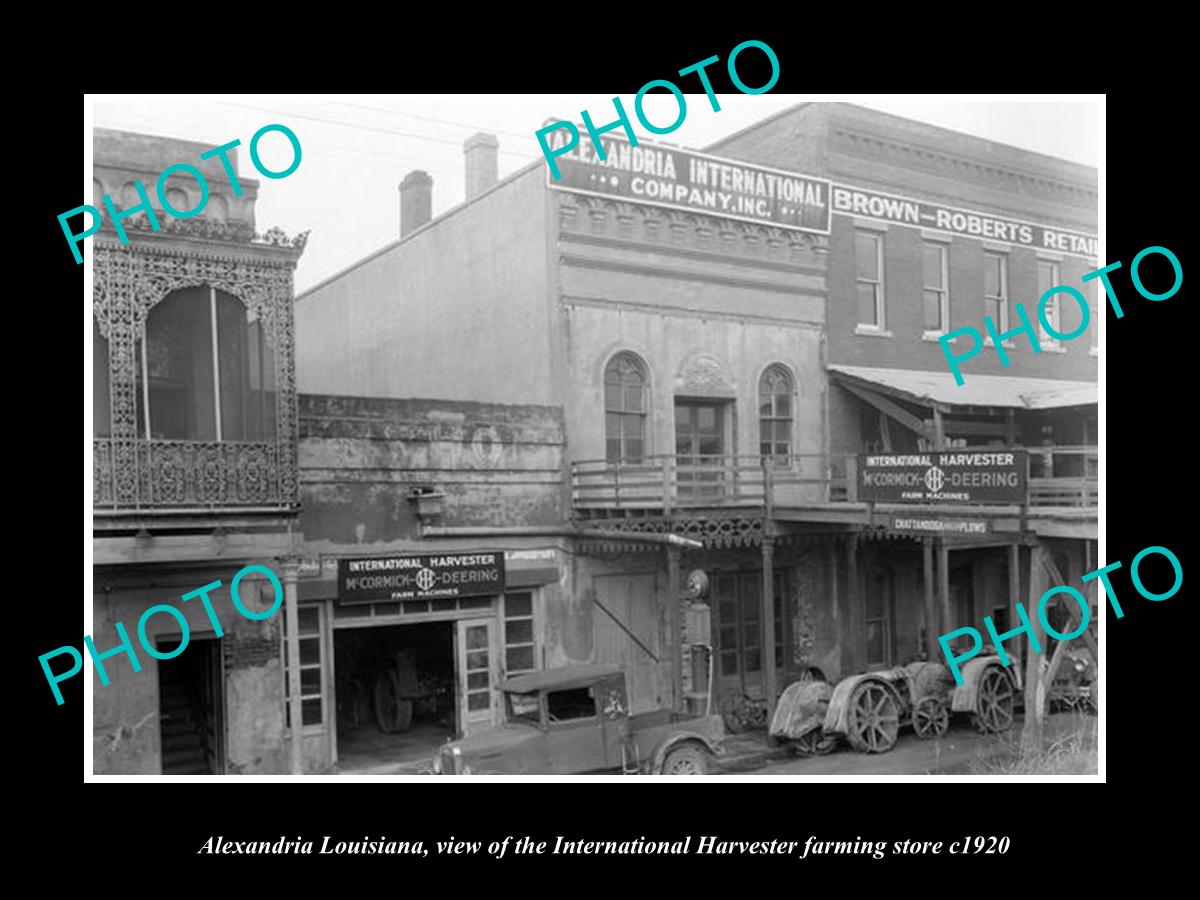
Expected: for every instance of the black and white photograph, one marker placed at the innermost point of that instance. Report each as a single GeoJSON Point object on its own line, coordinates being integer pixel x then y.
{"type": "Point", "coordinates": [475, 435]}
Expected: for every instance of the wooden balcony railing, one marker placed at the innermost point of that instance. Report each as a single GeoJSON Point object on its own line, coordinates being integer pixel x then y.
{"type": "Point", "coordinates": [132, 476]}
{"type": "Point", "coordinates": [1058, 477]}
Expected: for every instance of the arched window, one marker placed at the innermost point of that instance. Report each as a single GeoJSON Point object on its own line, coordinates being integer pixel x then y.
{"type": "Point", "coordinates": [182, 394]}
{"type": "Point", "coordinates": [625, 409]}
{"type": "Point", "coordinates": [775, 413]}
{"type": "Point", "coordinates": [101, 421]}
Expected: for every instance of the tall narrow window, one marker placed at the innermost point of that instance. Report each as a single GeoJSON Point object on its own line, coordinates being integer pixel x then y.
{"type": "Point", "coordinates": [868, 259]}
{"type": "Point", "coordinates": [519, 643]}
{"type": "Point", "coordinates": [995, 289]}
{"type": "Point", "coordinates": [206, 371]}
{"type": "Point", "coordinates": [775, 414]}
{"type": "Point", "coordinates": [877, 618]}
{"type": "Point", "coordinates": [1047, 279]}
{"type": "Point", "coordinates": [625, 409]}
{"type": "Point", "coordinates": [937, 287]}
{"type": "Point", "coordinates": [311, 691]}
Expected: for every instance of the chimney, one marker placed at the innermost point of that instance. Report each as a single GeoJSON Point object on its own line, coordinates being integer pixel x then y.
{"type": "Point", "coordinates": [482, 170]}
{"type": "Point", "coordinates": [416, 201]}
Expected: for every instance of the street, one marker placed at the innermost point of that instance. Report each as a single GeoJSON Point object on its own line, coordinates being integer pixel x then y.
{"type": "Point", "coordinates": [953, 754]}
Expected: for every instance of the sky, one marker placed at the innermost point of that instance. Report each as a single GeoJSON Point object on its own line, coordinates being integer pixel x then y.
{"type": "Point", "coordinates": [357, 149]}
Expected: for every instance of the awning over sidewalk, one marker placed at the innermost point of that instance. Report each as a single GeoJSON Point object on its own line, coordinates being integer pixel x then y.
{"type": "Point", "coordinates": [937, 387]}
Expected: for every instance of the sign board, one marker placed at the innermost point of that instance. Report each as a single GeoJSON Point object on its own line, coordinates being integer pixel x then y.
{"type": "Point", "coordinates": [946, 476]}
{"type": "Point", "coordinates": [424, 577]}
{"type": "Point", "coordinates": [908, 211]}
{"type": "Point", "coordinates": [694, 182]}
{"type": "Point", "coordinates": [926, 525]}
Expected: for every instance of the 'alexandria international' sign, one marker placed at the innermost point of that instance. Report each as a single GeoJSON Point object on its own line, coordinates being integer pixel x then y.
{"type": "Point", "coordinates": [946, 476]}
{"type": "Point", "coordinates": [424, 577]}
{"type": "Point", "coordinates": [695, 182]}
{"type": "Point", "coordinates": [907, 211]}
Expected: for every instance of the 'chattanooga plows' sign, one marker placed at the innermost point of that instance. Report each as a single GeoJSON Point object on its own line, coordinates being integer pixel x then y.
{"type": "Point", "coordinates": [947, 476]}
{"type": "Point", "coordinates": [696, 182]}
{"type": "Point", "coordinates": [423, 577]}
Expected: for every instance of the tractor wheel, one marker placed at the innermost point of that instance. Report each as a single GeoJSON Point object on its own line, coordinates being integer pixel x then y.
{"type": "Point", "coordinates": [874, 718]}
{"type": "Point", "coordinates": [393, 713]}
{"type": "Point", "coordinates": [994, 702]}
{"type": "Point", "coordinates": [930, 718]}
{"type": "Point", "coordinates": [687, 759]}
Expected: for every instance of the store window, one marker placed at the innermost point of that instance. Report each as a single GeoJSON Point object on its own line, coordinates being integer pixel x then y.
{"type": "Point", "coordinates": [868, 258]}
{"type": "Point", "coordinates": [775, 390]}
{"type": "Point", "coordinates": [995, 289]}
{"type": "Point", "coordinates": [312, 693]}
{"type": "Point", "coordinates": [205, 370]}
{"type": "Point", "coordinates": [936, 256]}
{"type": "Point", "coordinates": [625, 409]}
{"type": "Point", "coordinates": [1048, 277]}
{"type": "Point", "coordinates": [520, 645]}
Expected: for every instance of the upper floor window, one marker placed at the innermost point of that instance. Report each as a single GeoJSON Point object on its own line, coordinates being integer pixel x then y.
{"type": "Point", "coordinates": [205, 370]}
{"type": "Point", "coordinates": [868, 260]}
{"type": "Point", "coordinates": [1048, 277]}
{"type": "Point", "coordinates": [625, 409]}
{"type": "Point", "coordinates": [995, 289]}
{"type": "Point", "coordinates": [937, 286]}
{"type": "Point", "coordinates": [775, 413]}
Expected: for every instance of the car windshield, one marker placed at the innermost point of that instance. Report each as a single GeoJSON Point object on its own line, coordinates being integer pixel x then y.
{"type": "Point", "coordinates": [524, 708]}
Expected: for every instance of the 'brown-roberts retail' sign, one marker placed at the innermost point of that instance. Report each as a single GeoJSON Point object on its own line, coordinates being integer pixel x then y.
{"type": "Point", "coordinates": [694, 182]}
{"type": "Point", "coordinates": [947, 476]}
{"type": "Point", "coordinates": [424, 577]}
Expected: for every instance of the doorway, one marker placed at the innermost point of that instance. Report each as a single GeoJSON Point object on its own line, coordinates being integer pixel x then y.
{"type": "Point", "coordinates": [191, 708]}
{"type": "Point", "coordinates": [701, 431]}
{"type": "Point", "coordinates": [397, 700]}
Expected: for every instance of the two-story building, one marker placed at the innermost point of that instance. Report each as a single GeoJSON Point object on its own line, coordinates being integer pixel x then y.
{"type": "Point", "coordinates": [658, 386]}
{"type": "Point", "coordinates": [195, 469]}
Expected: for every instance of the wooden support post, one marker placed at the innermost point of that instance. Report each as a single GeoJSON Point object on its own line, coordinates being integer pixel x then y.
{"type": "Point", "coordinates": [768, 622]}
{"type": "Point", "coordinates": [292, 636]}
{"type": "Point", "coordinates": [675, 631]}
{"type": "Point", "coordinates": [943, 574]}
{"type": "Point", "coordinates": [853, 636]}
{"type": "Point", "coordinates": [932, 627]}
{"type": "Point", "coordinates": [1035, 691]}
{"type": "Point", "coordinates": [1014, 589]}
{"type": "Point", "coordinates": [939, 429]}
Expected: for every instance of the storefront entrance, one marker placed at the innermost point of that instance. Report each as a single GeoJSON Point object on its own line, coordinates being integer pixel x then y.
{"type": "Point", "coordinates": [396, 693]}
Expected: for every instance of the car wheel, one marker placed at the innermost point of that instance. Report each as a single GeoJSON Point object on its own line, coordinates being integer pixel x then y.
{"type": "Point", "coordinates": [686, 760]}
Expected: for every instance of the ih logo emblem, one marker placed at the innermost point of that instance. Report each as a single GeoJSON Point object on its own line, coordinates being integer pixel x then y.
{"type": "Point", "coordinates": [426, 579]}
{"type": "Point", "coordinates": [934, 479]}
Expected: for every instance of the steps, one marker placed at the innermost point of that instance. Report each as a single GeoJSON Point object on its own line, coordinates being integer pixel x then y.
{"type": "Point", "coordinates": [182, 748]}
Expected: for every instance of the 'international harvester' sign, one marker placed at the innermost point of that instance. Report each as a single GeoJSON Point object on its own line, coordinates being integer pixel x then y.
{"type": "Point", "coordinates": [695, 182]}
{"type": "Point", "coordinates": [948, 476]}
{"type": "Point", "coordinates": [422, 577]}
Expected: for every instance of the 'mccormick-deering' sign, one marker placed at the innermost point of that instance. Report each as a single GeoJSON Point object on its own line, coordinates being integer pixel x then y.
{"type": "Point", "coordinates": [424, 577]}
{"type": "Point", "coordinates": [946, 476]}
{"type": "Point", "coordinates": [907, 211]}
{"type": "Point", "coordinates": [696, 182]}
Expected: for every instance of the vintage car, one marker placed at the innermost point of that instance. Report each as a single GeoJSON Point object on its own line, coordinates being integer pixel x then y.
{"type": "Point", "coordinates": [575, 720]}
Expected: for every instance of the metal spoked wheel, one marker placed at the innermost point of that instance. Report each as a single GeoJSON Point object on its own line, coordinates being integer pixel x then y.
{"type": "Point", "coordinates": [874, 718]}
{"type": "Point", "coordinates": [930, 718]}
{"type": "Point", "coordinates": [686, 760]}
{"type": "Point", "coordinates": [994, 702]}
{"type": "Point", "coordinates": [815, 743]}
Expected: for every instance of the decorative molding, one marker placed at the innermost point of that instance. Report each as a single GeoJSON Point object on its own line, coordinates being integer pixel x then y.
{"type": "Point", "coordinates": [204, 229]}
{"type": "Point", "coordinates": [702, 375]}
{"type": "Point", "coordinates": [672, 229]}
{"type": "Point", "coordinates": [1006, 178]}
